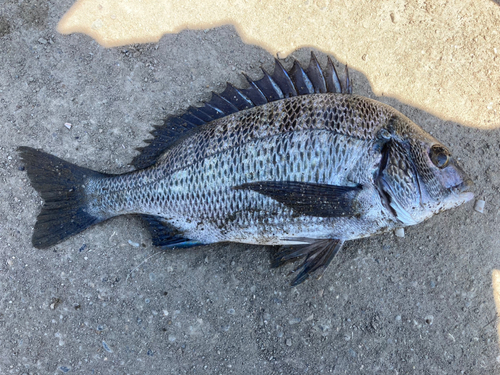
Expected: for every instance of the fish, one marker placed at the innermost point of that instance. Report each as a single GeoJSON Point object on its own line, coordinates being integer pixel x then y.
{"type": "Point", "coordinates": [294, 160]}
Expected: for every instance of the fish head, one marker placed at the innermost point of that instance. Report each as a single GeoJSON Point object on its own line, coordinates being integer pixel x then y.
{"type": "Point", "coordinates": [418, 176]}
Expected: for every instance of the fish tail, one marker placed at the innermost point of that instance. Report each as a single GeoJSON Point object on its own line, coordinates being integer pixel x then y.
{"type": "Point", "coordinates": [62, 187]}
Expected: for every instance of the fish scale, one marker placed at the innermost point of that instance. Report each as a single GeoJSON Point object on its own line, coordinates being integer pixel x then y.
{"type": "Point", "coordinates": [294, 159]}
{"type": "Point", "coordinates": [250, 211]}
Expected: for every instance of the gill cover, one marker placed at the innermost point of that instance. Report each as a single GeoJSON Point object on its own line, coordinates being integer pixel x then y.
{"type": "Point", "coordinates": [397, 178]}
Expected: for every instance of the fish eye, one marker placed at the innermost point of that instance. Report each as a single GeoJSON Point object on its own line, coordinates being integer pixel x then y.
{"type": "Point", "coordinates": [440, 156]}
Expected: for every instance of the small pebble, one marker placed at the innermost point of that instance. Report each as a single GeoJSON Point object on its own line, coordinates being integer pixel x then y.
{"type": "Point", "coordinates": [289, 342]}
{"type": "Point", "coordinates": [54, 303]}
{"type": "Point", "coordinates": [134, 244]}
{"type": "Point", "coordinates": [400, 232]}
{"type": "Point", "coordinates": [479, 206]}
{"type": "Point", "coordinates": [64, 369]}
{"type": "Point", "coordinates": [42, 41]}
{"type": "Point", "coordinates": [106, 347]}
{"type": "Point", "coordinates": [68, 125]}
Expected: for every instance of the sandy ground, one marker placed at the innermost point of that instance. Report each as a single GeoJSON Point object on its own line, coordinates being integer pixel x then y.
{"type": "Point", "coordinates": [106, 301]}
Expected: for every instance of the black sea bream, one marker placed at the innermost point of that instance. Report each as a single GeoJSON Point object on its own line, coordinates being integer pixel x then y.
{"type": "Point", "coordinates": [295, 159]}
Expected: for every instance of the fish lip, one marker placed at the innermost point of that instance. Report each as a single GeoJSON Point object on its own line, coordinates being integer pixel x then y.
{"type": "Point", "coordinates": [463, 190]}
{"type": "Point", "coordinates": [465, 186]}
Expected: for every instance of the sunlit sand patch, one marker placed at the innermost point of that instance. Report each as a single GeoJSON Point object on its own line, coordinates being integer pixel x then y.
{"type": "Point", "coordinates": [441, 57]}
{"type": "Point", "coordinates": [496, 296]}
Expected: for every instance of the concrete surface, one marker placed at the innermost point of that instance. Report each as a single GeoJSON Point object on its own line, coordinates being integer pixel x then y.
{"type": "Point", "coordinates": [107, 302]}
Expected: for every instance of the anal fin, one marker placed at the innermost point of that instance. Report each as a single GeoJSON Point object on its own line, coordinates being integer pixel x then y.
{"type": "Point", "coordinates": [165, 235]}
{"type": "Point", "coordinates": [318, 255]}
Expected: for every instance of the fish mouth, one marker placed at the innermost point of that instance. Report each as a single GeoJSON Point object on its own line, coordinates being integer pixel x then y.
{"type": "Point", "coordinates": [464, 189]}
{"type": "Point", "coordinates": [465, 186]}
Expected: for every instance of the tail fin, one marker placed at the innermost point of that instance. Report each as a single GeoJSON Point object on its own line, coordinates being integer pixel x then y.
{"type": "Point", "coordinates": [61, 185]}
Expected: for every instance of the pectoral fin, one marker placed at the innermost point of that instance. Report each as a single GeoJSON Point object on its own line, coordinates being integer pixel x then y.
{"type": "Point", "coordinates": [310, 199]}
{"type": "Point", "coordinates": [318, 256]}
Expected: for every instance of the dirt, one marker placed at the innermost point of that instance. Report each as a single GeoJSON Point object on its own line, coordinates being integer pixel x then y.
{"type": "Point", "coordinates": [107, 301]}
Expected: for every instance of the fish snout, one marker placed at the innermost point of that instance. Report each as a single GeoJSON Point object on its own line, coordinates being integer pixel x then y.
{"type": "Point", "coordinates": [466, 186]}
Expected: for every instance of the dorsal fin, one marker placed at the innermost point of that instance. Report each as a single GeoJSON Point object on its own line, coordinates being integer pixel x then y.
{"type": "Point", "coordinates": [280, 84]}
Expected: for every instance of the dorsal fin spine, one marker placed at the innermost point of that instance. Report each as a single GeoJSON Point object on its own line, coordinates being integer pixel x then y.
{"type": "Point", "coordinates": [282, 83]}
{"type": "Point", "coordinates": [228, 106]}
{"type": "Point", "coordinates": [348, 87]}
{"type": "Point", "coordinates": [269, 88]}
{"type": "Point", "coordinates": [315, 75]}
{"type": "Point", "coordinates": [200, 114]}
{"type": "Point", "coordinates": [333, 82]}
{"type": "Point", "coordinates": [236, 97]}
{"type": "Point", "coordinates": [254, 93]}
{"type": "Point", "coordinates": [302, 82]}
{"type": "Point", "coordinates": [282, 78]}
{"type": "Point", "coordinates": [188, 116]}
{"type": "Point", "coordinates": [217, 113]}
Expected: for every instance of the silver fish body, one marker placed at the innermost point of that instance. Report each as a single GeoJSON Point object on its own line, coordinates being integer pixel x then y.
{"type": "Point", "coordinates": [331, 139]}
{"type": "Point", "coordinates": [193, 184]}
{"type": "Point", "coordinates": [312, 170]}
